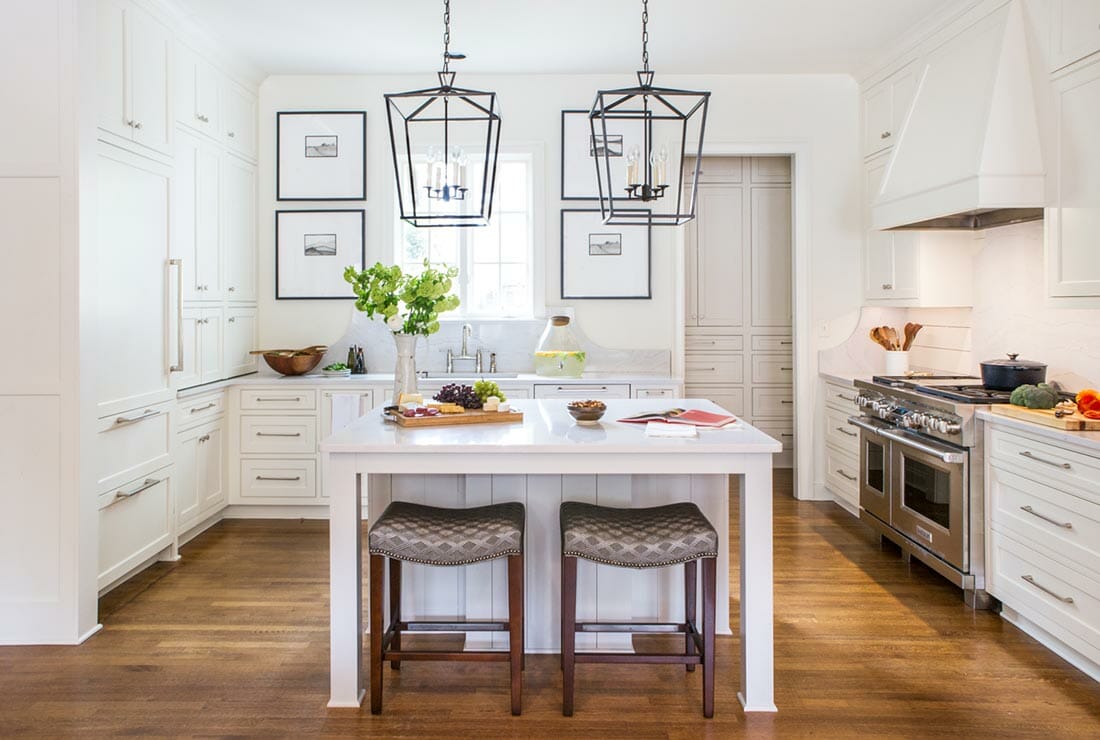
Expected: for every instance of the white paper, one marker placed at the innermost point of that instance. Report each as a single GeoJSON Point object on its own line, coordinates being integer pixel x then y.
{"type": "Point", "coordinates": [664, 429]}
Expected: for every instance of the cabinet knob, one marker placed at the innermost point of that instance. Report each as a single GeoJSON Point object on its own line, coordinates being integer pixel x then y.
{"type": "Point", "coordinates": [887, 286]}
{"type": "Point", "coordinates": [137, 124]}
{"type": "Point", "coordinates": [884, 135]}
{"type": "Point", "coordinates": [230, 134]}
{"type": "Point", "coordinates": [232, 319]}
{"type": "Point", "coordinates": [232, 289]}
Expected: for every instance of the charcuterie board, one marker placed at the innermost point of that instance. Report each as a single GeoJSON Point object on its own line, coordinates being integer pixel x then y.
{"type": "Point", "coordinates": [1046, 417]}
{"type": "Point", "coordinates": [470, 416]}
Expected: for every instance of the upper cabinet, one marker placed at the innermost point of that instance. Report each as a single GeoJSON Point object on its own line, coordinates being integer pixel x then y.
{"type": "Point", "coordinates": [239, 115]}
{"type": "Point", "coordinates": [715, 243]}
{"type": "Point", "coordinates": [197, 100]}
{"type": "Point", "coordinates": [133, 62]}
{"type": "Point", "coordinates": [1074, 31]}
{"type": "Point", "coordinates": [885, 106]}
{"type": "Point", "coordinates": [238, 222]}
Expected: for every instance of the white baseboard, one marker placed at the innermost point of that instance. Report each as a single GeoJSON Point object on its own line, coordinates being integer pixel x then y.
{"type": "Point", "coordinates": [1082, 663]}
{"type": "Point", "coordinates": [201, 527]}
{"type": "Point", "coordinates": [257, 511]}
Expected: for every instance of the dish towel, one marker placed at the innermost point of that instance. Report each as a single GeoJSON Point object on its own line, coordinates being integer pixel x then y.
{"type": "Point", "coordinates": [345, 410]}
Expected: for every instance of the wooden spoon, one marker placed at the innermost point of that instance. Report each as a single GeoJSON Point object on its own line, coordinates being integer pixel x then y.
{"type": "Point", "coordinates": [911, 330]}
{"type": "Point", "coordinates": [891, 335]}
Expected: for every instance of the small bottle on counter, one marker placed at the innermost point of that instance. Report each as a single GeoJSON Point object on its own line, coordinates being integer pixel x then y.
{"type": "Point", "coordinates": [360, 362]}
{"type": "Point", "coordinates": [351, 358]}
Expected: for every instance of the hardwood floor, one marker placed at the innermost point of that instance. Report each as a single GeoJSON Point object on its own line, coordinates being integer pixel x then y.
{"type": "Point", "coordinates": [233, 640]}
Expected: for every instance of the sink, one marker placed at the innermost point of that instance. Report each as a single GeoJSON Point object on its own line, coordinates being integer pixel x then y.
{"type": "Point", "coordinates": [466, 375]}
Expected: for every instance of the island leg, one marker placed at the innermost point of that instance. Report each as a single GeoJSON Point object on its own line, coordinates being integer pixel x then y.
{"type": "Point", "coordinates": [342, 486]}
{"type": "Point", "coordinates": [757, 649]}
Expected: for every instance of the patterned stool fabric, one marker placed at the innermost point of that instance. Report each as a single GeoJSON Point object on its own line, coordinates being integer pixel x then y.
{"type": "Point", "coordinates": [637, 538]}
{"type": "Point", "coordinates": [433, 535]}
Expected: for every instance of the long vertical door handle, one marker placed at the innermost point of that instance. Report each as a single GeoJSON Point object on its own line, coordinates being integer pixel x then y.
{"type": "Point", "coordinates": [178, 264]}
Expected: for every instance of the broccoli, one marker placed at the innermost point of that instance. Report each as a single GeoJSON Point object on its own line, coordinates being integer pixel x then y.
{"type": "Point", "coordinates": [1041, 396]}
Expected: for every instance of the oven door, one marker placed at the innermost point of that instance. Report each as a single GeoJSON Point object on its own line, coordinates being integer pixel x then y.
{"type": "Point", "coordinates": [929, 499]}
{"type": "Point", "coordinates": [874, 467]}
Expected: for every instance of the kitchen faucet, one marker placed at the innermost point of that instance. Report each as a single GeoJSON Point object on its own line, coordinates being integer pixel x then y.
{"type": "Point", "coordinates": [467, 331]}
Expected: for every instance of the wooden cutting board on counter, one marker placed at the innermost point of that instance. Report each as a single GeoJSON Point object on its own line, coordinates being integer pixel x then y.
{"type": "Point", "coordinates": [1046, 417]}
{"type": "Point", "coordinates": [470, 416]}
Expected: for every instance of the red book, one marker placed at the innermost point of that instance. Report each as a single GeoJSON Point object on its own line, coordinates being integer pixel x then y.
{"type": "Point", "coordinates": [695, 417]}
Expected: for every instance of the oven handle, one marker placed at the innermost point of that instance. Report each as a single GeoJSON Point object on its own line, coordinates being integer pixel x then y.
{"type": "Point", "coordinates": [949, 456]}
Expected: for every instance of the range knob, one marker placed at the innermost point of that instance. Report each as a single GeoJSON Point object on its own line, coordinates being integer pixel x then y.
{"type": "Point", "coordinates": [948, 427]}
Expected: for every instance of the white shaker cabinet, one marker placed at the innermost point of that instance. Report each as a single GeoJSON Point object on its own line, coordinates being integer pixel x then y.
{"type": "Point", "coordinates": [239, 114]}
{"type": "Point", "coordinates": [885, 106]}
{"type": "Point", "coordinates": [197, 102]}
{"type": "Point", "coordinates": [1072, 256]}
{"type": "Point", "coordinates": [240, 339]}
{"type": "Point", "coordinates": [891, 258]}
{"type": "Point", "coordinates": [200, 474]}
{"type": "Point", "coordinates": [238, 237]}
{"type": "Point", "coordinates": [202, 347]}
{"type": "Point", "coordinates": [771, 271]}
{"type": "Point", "coordinates": [195, 206]}
{"type": "Point", "coordinates": [711, 297]}
{"type": "Point", "coordinates": [1074, 31]}
{"type": "Point", "coordinates": [132, 66]}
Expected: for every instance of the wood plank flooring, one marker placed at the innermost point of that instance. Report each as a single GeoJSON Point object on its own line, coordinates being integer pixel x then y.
{"type": "Point", "coordinates": [233, 640]}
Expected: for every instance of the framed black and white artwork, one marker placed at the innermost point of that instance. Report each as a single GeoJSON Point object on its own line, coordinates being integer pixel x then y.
{"type": "Point", "coordinates": [600, 261]}
{"type": "Point", "coordinates": [312, 248]}
{"type": "Point", "coordinates": [579, 148]}
{"type": "Point", "coordinates": [321, 155]}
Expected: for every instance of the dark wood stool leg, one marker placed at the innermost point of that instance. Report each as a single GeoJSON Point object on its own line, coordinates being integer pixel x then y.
{"type": "Point", "coordinates": [515, 629]}
{"type": "Point", "coordinates": [710, 588]}
{"type": "Point", "coordinates": [395, 608]}
{"type": "Point", "coordinates": [690, 582]}
{"type": "Point", "coordinates": [568, 632]}
{"type": "Point", "coordinates": [377, 610]}
{"type": "Point", "coordinates": [523, 607]}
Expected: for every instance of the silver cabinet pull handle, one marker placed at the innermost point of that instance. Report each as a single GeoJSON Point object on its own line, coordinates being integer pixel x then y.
{"type": "Point", "coordinates": [786, 434]}
{"type": "Point", "coordinates": [230, 134]}
{"type": "Point", "coordinates": [287, 398]}
{"type": "Point", "coordinates": [273, 477]}
{"type": "Point", "coordinates": [232, 319]}
{"type": "Point", "coordinates": [887, 286]}
{"type": "Point", "coordinates": [786, 342]}
{"type": "Point", "coordinates": [137, 124]}
{"type": "Point", "coordinates": [232, 289]}
{"type": "Point", "coordinates": [583, 387]}
{"type": "Point", "coordinates": [843, 397]}
{"type": "Point", "coordinates": [178, 367]}
{"type": "Point", "coordinates": [121, 495]}
{"type": "Point", "coordinates": [844, 475]}
{"type": "Point", "coordinates": [884, 135]}
{"type": "Point", "coordinates": [204, 438]}
{"type": "Point", "coordinates": [122, 421]}
{"type": "Point", "coordinates": [202, 118]}
{"type": "Point", "coordinates": [1031, 456]}
{"type": "Point", "coordinates": [842, 430]}
{"type": "Point", "coordinates": [786, 401]}
{"type": "Point", "coordinates": [1045, 518]}
{"type": "Point", "coordinates": [705, 369]}
{"type": "Point", "coordinates": [1044, 589]}
{"type": "Point", "coordinates": [786, 369]}
{"type": "Point", "coordinates": [278, 434]}
{"type": "Point", "coordinates": [197, 409]}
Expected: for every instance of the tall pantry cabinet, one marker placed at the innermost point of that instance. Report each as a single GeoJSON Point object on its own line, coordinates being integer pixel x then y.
{"type": "Point", "coordinates": [175, 267]}
{"type": "Point", "coordinates": [739, 311]}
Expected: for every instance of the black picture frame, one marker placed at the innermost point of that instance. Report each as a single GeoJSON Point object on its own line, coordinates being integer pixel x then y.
{"type": "Point", "coordinates": [360, 254]}
{"type": "Point", "coordinates": [562, 180]}
{"type": "Point", "coordinates": [360, 137]}
{"type": "Point", "coordinates": [620, 231]}
{"type": "Point", "coordinates": [568, 155]}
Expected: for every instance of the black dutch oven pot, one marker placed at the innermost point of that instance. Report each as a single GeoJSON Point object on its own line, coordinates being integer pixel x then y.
{"type": "Point", "coordinates": [1010, 374]}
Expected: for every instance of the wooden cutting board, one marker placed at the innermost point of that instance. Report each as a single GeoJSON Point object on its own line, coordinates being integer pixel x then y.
{"type": "Point", "coordinates": [1075, 423]}
{"type": "Point", "coordinates": [470, 416]}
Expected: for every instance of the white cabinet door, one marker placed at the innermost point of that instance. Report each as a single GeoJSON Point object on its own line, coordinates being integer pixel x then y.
{"type": "Point", "coordinates": [877, 119]}
{"type": "Point", "coordinates": [239, 107]}
{"type": "Point", "coordinates": [1074, 31]}
{"type": "Point", "coordinates": [210, 342]}
{"type": "Point", "coordinates": [113, 95]}
{"type": "Point", "coordinates": [191, 326]}
{"type": "Point", "coordinates": [1073, 258]}
{"type": "Point", "coordinates": [196, 91]}
{"type": "Point", "coordinates": [891, 259]}
{"type": "Point", "coordinates": [240, 339]}
{"type": "Point", "coordinates": [211, 480]}
{"type": "Point", "coordinates": [691, 273]}
{"type": "Point", "coordinates": [187, 479]}
{"type": "Point", "coordinates": [150, 46]}
{"type": "Point", "coordinates": [721, 255]}
{"type": "Point", "coordinates": [135, 316]}
{"type": "Point", "coordinates": [903, 88]}
{"type": "Point", "coordinates": [239, 228]}
{"type": "Point", "coordinates": [770, 221]}
{"type": "Point", "coordinates": [195, 230]}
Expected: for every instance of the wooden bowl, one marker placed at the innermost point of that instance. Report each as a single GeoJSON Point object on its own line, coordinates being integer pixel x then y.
{"type": "Point", "coordinates": [298, 363]}
{"type": "Point", "coordinates": [586, 415]}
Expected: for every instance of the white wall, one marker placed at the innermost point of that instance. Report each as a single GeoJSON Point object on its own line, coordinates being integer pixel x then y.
{"type": "Point", "coordinates": [818, 110]}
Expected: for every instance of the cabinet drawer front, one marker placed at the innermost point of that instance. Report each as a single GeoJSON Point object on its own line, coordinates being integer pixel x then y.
{"type": "Point", "coordinates": [1065, 525]}
{"type": "Point", "coordinates": [704, 343]}
{"type": "Point", "coordinates": [841, 398]}
{"type": "Point", "coordinates": [1047, 463]}
{"type": "Point", "coordinates": [842, 473]}
{"type": "Point", "coordinates": [775, 402]}
{"type": "Point", "coordinates": [132, 444]}
{"type": "Point", "coordinates": [772, 344]}
{"type": "Point", "coordinates": [708, 368]}
{"type": "Point", "coordinates": [278, 434]}
{"type": "Point", "coordinates": [773, 369]}
{"type": "Point", "coordinates": [279, 479]}
{"type": "Point", "coordinates": [583, 390]}
{"type": "Point", "coordinates": [668, 392]}
{"type": "Point", "coordinates": [200, 409]}
{"type": "Point", "coordinates": [839, 433]}
{"type": "Point", "coordinates": [253, 399]}
{"type": "Point", "coordinates": [780, 430]}
{"type": "Point", "coordinates": [1055, 596]}
{"type": "Point", "coordinates": [134, 524]}
{"type": "Point", "coordinates": [730, 399]}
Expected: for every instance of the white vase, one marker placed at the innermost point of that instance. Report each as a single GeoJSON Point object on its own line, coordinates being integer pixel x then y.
{"type": "Point", "coordinates": [897, 363]}
{"type": "Point", "coordinates": [404, 374]}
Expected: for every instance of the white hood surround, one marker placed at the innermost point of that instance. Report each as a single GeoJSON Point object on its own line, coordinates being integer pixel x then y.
{"type": "Point", "coordinates": [969, 155]}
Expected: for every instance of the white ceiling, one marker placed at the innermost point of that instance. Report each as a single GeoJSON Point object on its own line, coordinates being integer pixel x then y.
{"type": "Point", "coordinates": [557, 36]}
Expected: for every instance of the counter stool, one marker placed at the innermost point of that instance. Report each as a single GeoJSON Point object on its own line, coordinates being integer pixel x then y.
{"type": "Point", "coordinates": [433, 535]}
{"type": "Point", "coordinates": [639, 538]}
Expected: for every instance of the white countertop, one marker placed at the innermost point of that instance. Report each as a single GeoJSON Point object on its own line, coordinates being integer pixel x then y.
{"type": "Point", "coordinates": [843, 379]}
{"type": "Point", "coordinates": [548, 428]}
{"type": "Point", "coordinates": [1088, 440]}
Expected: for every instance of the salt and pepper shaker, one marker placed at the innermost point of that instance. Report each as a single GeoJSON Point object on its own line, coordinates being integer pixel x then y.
{"type": "Point", "coordinates": [360, 362]}
{"type": "Point", "coordinates": [351, 358]}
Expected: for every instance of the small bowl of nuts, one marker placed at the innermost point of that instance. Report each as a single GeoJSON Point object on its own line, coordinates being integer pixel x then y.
{"type": "Point", "coordinates": [587, 413]}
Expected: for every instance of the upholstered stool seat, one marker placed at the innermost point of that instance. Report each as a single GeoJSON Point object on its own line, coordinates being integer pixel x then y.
{"type": "Point", "coordinates": [432, 535]}
{"type": "Point", "coordinates": [637, 538]}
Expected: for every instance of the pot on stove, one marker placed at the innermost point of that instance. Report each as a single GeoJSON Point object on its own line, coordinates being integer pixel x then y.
{"type": "Point", "coordinates": [1010, 374]}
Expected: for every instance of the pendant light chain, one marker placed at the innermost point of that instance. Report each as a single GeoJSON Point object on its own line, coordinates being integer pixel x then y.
{"type": "Point", "coordinates": [645, 35]}
{"type": "Point", "coordinates": [446, 34]}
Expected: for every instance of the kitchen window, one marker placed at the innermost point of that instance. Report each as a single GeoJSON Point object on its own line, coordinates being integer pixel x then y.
{"type": "Point", "coordinates": [495, 261]}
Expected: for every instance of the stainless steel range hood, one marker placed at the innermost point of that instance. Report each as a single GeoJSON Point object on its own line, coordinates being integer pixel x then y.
{"type": "Point", "coordinates": [969, 155]}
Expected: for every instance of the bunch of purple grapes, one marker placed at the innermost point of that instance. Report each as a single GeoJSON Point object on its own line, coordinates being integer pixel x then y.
{"type": "Point", "coordinates": [463, 395]}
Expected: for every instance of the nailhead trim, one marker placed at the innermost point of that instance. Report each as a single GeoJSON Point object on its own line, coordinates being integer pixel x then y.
{"type": "Point", "coordinates": [404, 559]}
{"type": "Point", "coordinates": [635, 566]}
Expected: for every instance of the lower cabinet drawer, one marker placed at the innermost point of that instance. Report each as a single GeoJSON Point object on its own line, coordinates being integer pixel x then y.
{"type": "Point", "coordinates": [200, 409]}
{"type": "Point", "coordinates": [1057, 597]}
{"type": "Point", "coordinates": [778, 402]}
{"type": "Point", "coordinates": [594, 391]}
{"type": "Point", "coordinates": [279, 479]}
{"type": "Point", "coordinates": [707, 368]}
{"type": "Point", "coordinates": [135, 523]}
{"type": "Point", "coordinates": [784, 432]}
{"type": "Point", "coordinates": [1052, 464]}
{"type": "Point", "coordinates": [712, 343]}
{"type": "Point", "coordinates": [761, 343]}
{"type": "Point", "coordinates": [131, 444]}
{"type": "Point", "coordinates": [839, 433]}
{"type": "Point", "coordinates": [772, 369]}
{"type": "Point", "coordinates": [841, 398]}
{"type": "Point", "coordinates": [259, 399]}
{"type": "Point", "coordinates": [654, 392]}
{"type": "Point", "coordinates": [732, 399]}
{"type": "Point", "coordinates": [842, 474]}
{"type": "Point", "coordinates": [278, 434]}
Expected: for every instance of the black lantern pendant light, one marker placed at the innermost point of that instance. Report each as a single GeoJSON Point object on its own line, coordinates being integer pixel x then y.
{"type": "Point", "coordinates": [640, 140]}
{"type": "Point", "coordinates": [444, 142]}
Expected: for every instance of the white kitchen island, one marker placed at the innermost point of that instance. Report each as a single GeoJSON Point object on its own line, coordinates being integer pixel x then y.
{"type": "Point", "coordinates": [543, 461]}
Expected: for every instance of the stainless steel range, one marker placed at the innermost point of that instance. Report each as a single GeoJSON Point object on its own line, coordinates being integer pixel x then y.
{"type": "Point", "coordinates": [920, 482]}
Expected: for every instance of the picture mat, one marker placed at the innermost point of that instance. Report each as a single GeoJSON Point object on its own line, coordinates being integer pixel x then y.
{"type": "Point", "coordinates": [302, 177]}
{"type": "Point", "coordinates": [578, 167]}
{"type": "Point", "coordinates": [298, 275]}
{"type": "Point", "coordinates": [626, 275]}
